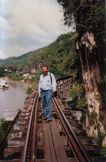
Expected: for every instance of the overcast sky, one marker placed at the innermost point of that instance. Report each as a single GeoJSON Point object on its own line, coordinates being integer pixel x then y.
{"type": "Point", "coordinates": [26, 25]}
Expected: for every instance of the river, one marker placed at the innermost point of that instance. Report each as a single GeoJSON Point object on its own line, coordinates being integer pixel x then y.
{"type": "Point", "coordinates": [12, 98]}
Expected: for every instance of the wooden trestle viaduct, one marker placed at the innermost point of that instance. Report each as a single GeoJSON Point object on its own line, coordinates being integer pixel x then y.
{"type": "Point", "coordinates": [32, 139]}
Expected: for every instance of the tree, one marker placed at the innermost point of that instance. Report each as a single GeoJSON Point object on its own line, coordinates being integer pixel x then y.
{"type": "Point", "coordinates": [89, 17]}
{"type": "Point", "coordinates": [1, 71]}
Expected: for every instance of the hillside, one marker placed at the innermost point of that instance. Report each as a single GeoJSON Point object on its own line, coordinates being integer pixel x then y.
{"type": "Point", "coordinates": [59, 55]}
{"type": "Point", "coordinates": [16, 62]}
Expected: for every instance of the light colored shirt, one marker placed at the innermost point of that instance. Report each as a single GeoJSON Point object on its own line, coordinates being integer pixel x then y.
{"type": "Point", "coordinates": [47, 83]}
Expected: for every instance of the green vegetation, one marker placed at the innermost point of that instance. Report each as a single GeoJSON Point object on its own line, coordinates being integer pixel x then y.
{"type": "Point", "coordinates": [76, 90]}
{"type": "Point", "coordinates": [89, 16]}
{"type": "Point", "coordinates": [93, 119]}
{"type": "Point", "coordinates": [2, 72]}
{"type": "Point", "coordinates": [100, 138]}
{"type": "Point", "coordinates": [16, 63]}
{"type": "Point", "coordinates": [4, 125]}
{"type": "Point", "coordinates": [103, 151]}
{"type": "Point", "coordinates": [78, 96]}
{"type": "Point", "coordinates": [60, 56]}
{"type": "Point", "coordinates": [29, 90]}
{"type": "Point", "coordinates": [15, 76]}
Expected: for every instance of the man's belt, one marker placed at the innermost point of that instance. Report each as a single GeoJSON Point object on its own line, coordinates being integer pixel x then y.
{"type": "Point", "coordinates": [42, 90]}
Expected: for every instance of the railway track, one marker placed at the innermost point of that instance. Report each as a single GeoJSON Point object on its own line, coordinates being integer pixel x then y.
{"type": "Point", "coordinates": [33, 139]}
{"type": "Point", "coordinates": [76, 147]}
{"type": "Point", "coordinates": [29, 152]}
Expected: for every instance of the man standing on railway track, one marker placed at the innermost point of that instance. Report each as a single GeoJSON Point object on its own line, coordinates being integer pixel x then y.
{"type": "Point", "coordinates": [47, 86]}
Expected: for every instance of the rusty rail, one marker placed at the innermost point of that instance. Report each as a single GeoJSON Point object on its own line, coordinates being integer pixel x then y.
{"type": "Point", "coordinates": [78, 150]}
{"type": "Point", "coordinates": [45, 136]}
{"type": "Point", "coordinates": [31, 133]}
{"type": "Point", "coordinates": [6, 136]}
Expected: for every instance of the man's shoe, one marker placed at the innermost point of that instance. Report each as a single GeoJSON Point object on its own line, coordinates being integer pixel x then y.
{"type": "Point", "coordinates": [49, 120]}
{"type": "Point", "coordinates": [44, 117]}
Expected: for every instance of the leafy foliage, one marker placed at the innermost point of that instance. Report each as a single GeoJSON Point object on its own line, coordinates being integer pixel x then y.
{"type": "Point", "coordinates": [16, 63]}
{"type": "Point", "coordinates": [103, 151]}
{"type": "Point", "coordinates": [89, 16]}
{"type": "Point", "coordinates": [1, 72]}
{"type": "Point", "coordinates": [29, 90]}
{"type": "Point", "coordinates": [78, 96]}
{"type": "Point", "coordinates": [100, 138]}
{"type": "Point", "coordinates": [60, 56]}
{"type": "Point", "coordinates": [4, 125]}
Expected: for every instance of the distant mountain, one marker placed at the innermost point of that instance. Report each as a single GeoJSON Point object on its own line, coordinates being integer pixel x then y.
{"type": "Point", "coordinates": [60, 56]}
{"type": "Point", "coordinates": [18, 62]}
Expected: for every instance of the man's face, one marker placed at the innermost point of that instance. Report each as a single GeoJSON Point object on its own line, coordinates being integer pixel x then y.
{"type": "Point", "coordinates": [45, 70]}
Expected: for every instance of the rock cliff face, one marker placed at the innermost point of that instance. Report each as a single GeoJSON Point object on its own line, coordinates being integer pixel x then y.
{"type": "Point", "coordinates": [86, 47]}
{"type": "Point", "coordinates": [90, 50]}
{"type": "Point", "coordinates": [89, 16]}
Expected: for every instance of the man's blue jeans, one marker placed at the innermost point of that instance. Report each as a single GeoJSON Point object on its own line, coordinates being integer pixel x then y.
{"type": "Point", "coordinates": [46, 97]}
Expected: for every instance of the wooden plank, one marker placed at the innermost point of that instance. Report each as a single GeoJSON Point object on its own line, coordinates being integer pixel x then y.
{"type": "Point", "coordinates": [72, 160]}
{"type": "Point", "coordinates": [58, 143]}
{"type": "Point", "coordinates": [40, 160]}
{"type": "Point", "coordinates": [11, 160]}
{"type": "Point", "coordinates": [50, 155]}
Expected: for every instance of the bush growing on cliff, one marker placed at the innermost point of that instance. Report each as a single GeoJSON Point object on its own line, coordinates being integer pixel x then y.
{"type": "Point", "coordinates": [103, 151]}
{"type": "Point", "coordinates": [100, 138]}
{"type": "Point", "coordinates": [78, 96]}
{"type": "Point", "coordinates": [4, 126]}
{"type": "Point", "coordinates": [29, 90]}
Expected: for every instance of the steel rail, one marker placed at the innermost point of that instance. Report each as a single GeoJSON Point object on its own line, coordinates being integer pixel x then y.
{"type": "Point", "coordinates": [8, 131]}
{"type": "Point", "coordinates": [78, 150]}
{"type": "Point", "coordinates": [33, 157]}
{"type": "Point", "coordinates": [32, 119]}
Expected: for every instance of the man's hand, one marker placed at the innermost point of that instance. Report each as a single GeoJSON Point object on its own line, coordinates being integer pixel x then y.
{"type": "Point", "coordinates": [39, 98]}
{"type": "Point", "coordinates": [54, 93]}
